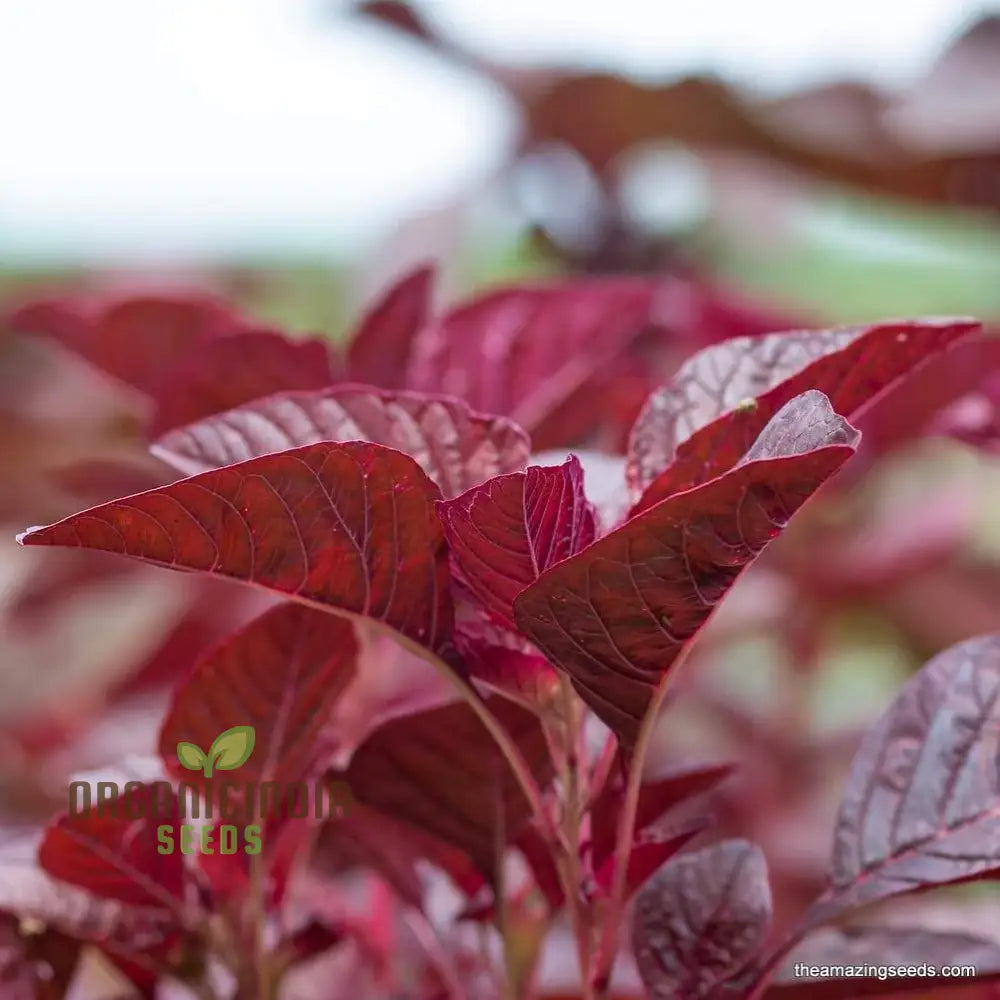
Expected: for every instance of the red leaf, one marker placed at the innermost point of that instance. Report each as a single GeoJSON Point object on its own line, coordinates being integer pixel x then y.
{"type": "Point", "coordinates": [136, 339]}
{"type": "Point", "coordinates": [313, 939]}
{"type": "Point", "coordinates": [965, 370]}
{"type": "Point", "coordinates": [29, 892]}
{"type": "Point", "coordinates": [616, 616]}
{"type": "Point", "coordinates": [882, 947]}
{"type": "Point", "coordinates": [921, 804]}
{"type": "Point", "coordinates": [646, 857]}
{"type": "Point", "coordinates": [297, 523]}
{"type": "Point", "coordinates": [656, 799]}
{"type": "Point", "coordinates": [111, 849]}
{"type": "Point", "coordinates": [508, 531]}
{"type": "Point", "coordinates": [281, 674]}
{"type": "Point", "coordinates": [505, 661]}
{"type": "Point", "coordinates": [232, 370]}
{"type": "Point", "coordinates": [695, 429]}
{"type": "Point", "coordinates": [701, 920]}
{"type": "Point", "coordinates": [454, 446]}
{"type": "Point", "coordinates": [524, 351]}
{"type": "Point", "coordinates": [63, 319]}
{"type": "Point", "coordinates": [380, 350]}
{"type": "Point", "coordinates": [366, 838]}
{"type": "Point", "coordinates": [538, 855]}
{"type": "Point", "coordinates": [441, 771]}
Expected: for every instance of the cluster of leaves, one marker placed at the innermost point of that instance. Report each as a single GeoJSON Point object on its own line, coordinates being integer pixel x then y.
{"type": "Point", "coordinates": [388, 505]}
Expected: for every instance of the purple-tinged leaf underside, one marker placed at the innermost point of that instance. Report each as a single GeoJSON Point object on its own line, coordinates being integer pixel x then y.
{"type": "Point", "coordinates": [701, 920]}
{"type": "Point", "coordinates": [922, 806]}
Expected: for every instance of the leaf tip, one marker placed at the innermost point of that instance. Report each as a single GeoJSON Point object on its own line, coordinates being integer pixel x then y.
{"type": "Point", "coordinates": [25, 537]}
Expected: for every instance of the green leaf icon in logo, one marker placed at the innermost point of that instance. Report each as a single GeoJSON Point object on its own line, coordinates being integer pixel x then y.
{"type": "Point", "coordinates": [191, 756]}
{"type": "Point", "coordinates": [230, 749]}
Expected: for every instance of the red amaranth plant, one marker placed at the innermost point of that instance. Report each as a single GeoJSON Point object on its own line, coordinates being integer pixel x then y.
{"type": "Point", "coordinates": [531, 637]}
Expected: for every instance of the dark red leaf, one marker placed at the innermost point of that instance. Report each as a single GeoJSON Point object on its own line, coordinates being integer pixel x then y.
{"type": "Point", "coordinates": [441, 771]}
{"type": "Point", "coordinates": [281, 674]}
{"type": "Point", "coordinates": [283, 840]}
{"type": "Point", "coordinates": [367, 838]}
{"type": "Point", "coordinates": [112, 850]}
{"type": "Point", "coordinates": [138, 340]}
{"type": "Point", "coordinates": [507, 532]}
{"type": "Point", "coordinates": [616, 616]}
{"type": "Point", "coordinates": [887, 948]}
{"type": "Point", "coordinates": [921, 806]}
{"type": "Point", "coordinates": [233, 370]}
{"type": "Point", "coordinates": [524, 351]}
{"type": "Point", "coordinates": [538, 856]}
{"type": "Point", "coordinates": [455, 447]}
{"type": "Point", "coordinates": [701, 920]}
{"type": "Point", "coordinates": [100, 480]}
{"type": "Point", "coordinates": [505, 661]}
{"type": "Point", "coordinates": [312, 939]}
{"type": "Point", "coordinates": [960, 373]}
{"type": "Point", "coordinates": [695, 428]}
{"type": "Point", "coordinates": [298, 523]}
{"type": "Point", "coordinates": [379, 352]}
{"type": "Point", "coordinates": [656, 799]}
{"type": "Point", "coordinates": [63, 319]}
{"type": "Point", "coordinates": [29, 892]}
{"type": "Point", "coordinates": [646, 857]}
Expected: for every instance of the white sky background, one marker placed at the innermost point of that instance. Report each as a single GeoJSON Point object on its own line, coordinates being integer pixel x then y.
{"type": "Point", "coordinates": [179, 128]}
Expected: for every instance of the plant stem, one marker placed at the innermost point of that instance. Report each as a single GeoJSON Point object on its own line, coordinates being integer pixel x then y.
{"type": "Point", "coordinates": [574, 761]}
{"type": "Point", "coordinates": [602, 767]}
{"type": "Point", "coordinates": [519, 766]}
{"type": "Point", "coordinates": [765, 972]}
{"type": "Point", "coordinates": [626, 832]}
{"type": "Point", "coordinates": [437, 953]}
